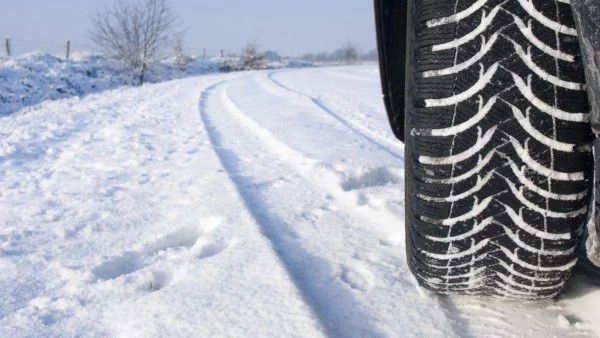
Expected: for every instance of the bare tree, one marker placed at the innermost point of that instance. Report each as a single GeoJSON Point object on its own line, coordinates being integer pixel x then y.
{"type": "Point", "coordinates": [181, 58]}
{"type": "Point", "coordinates": [133, 32]}
{"type": "Point", "coordinates": [348, 53]}
{"type": "Point", "coordinates": [251, 58]}
{"type": "Point", "coordinates": [272, 56]}
{"type": "Point", "coordinates": [372, 55]}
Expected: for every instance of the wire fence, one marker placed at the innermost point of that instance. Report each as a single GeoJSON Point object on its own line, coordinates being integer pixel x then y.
{"type": "Point", "coordinates": [15, 46]}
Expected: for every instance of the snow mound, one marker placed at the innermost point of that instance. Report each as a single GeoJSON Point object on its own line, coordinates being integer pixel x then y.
{"type": "Point", "coordinates": [35, 77]}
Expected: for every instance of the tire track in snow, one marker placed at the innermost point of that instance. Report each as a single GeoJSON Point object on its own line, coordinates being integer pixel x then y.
{"type": "Point", "coordinates": [465, 317]}
{"type": "Point", "coordinates": [329, 179]}
{"type": "Point", "coordinates": [336, 309]}
{"type": "Point", "coordinates": [358, 129]}
{"type": "Point", "coordinates": [456, 316]}
{"type": "Point", "coordinates": [315, 171]}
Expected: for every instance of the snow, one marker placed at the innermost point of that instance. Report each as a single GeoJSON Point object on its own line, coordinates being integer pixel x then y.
{"type": "Point", "coordinates": [249, 204]}
{"type": "Point", "coordinates": [32, 78]}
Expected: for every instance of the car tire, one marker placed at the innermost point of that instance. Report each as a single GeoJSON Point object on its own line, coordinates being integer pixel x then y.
{"type": "Point", "coordinates": [497, 141]}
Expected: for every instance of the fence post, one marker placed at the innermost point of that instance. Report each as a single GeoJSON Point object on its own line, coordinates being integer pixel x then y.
{"type": "Point", "coordinates": [204, 54]}
{"type": "Point", "coordinates": [7, 45]}
{"type": "Point", "coordinates": [68, 50]}
{"type": "Point", "coordinates": [222, 54]}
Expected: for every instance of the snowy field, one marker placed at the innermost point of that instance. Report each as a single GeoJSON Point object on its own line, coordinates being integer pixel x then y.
{"type": "Point", "coordinates": [252, 204]}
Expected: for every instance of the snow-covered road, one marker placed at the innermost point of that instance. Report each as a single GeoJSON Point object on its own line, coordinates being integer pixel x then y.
{"type": "Point", "coordinates": [257, 204]}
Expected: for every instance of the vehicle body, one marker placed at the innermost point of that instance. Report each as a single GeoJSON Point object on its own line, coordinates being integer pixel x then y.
{"type": "Point", "coordinates": [442, 56]}
{"type": "Point", "coordinates": [587, 19]}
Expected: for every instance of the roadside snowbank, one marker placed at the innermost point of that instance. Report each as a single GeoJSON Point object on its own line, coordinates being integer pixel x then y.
{"type": "Point", "coordinates": [35, 77]}
{"type": "Point", "coordinates": [32, 78]}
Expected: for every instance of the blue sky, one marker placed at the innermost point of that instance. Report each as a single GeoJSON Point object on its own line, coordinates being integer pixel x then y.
{"type": "Point", "coordinates": [289, 26]}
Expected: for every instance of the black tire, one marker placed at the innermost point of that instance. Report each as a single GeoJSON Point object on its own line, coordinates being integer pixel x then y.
{"type": "Point", "coordinates": [498, 161]}
{"type": "Point", "coordinates": [390, 18]}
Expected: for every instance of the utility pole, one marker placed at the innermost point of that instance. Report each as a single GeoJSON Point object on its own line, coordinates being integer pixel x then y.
{"type": "Point", "coordinates": [68, 50]}
{"type": "Point", "coordinates": [7, 45]}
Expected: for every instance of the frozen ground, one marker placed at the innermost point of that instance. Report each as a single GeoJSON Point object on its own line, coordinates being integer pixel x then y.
{"type": "Point", "coordinates": [253, 204]}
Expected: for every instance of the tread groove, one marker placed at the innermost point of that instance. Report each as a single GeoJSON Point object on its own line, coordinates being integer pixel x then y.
{"type": "Point", "coordinates": [498, 170]}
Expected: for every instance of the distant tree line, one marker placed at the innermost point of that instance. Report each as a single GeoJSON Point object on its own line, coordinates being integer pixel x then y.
{"type": "Point", "coordinates": [348, 53]}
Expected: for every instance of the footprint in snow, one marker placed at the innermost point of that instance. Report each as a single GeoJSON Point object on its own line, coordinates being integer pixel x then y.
{"type": "Point", "coordinates": [186, 243]}
{"type": "Point", "coordinates": [358, 276]}
{"type": "Point", "coordinates": [374, 177]}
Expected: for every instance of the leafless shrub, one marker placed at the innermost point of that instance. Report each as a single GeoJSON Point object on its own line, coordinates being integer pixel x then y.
{"type": "Point", "coordinates": [181, 58]}
{"type": "Point", "coordinates": [251, 58]}
{"type": "Point", "coordinates": [133, 32]}
{"type": "Point", "coordinates": [349, 52]}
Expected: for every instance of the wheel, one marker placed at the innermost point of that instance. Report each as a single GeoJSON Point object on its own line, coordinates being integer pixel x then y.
{"type": "Point", "coordinates": [390, 18]}
{"type": "Point", "coordinates": [498, 162]}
